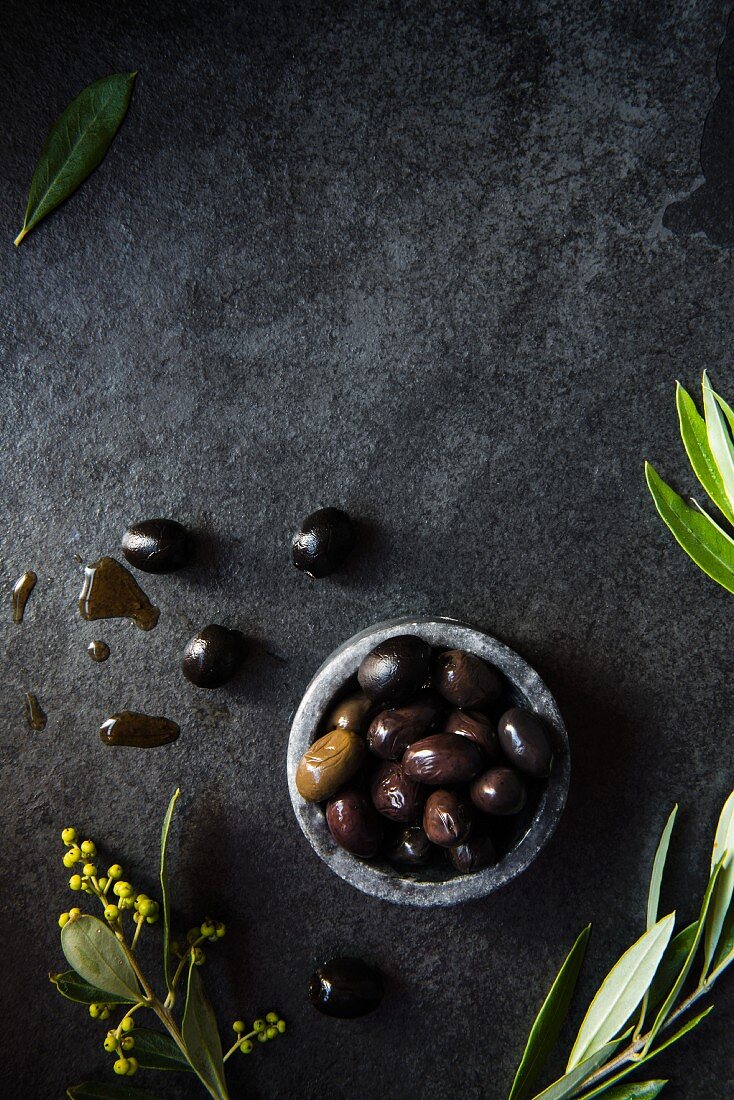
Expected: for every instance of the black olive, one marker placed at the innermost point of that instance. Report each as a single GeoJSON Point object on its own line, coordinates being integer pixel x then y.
{"type": "Point", "coordinates": [346, 988]}
{"type": "Point", "coordinates": [395, 669]}
{"type": "Point", "coordinates": [499, 791]}
{"type": "Point", "coordinates": [466, 680]}
{"type": "Point", "coordinates": [213, 656]}
{"type": "Point", "coordinates": [525, 742]}
{"type": "Point", "coordinates": [475, 853]}
{"type": "Point", "coordinates": [323, 542]}
{"type": "Point", "coordinates": [157, 545]}
{"type": "Point", "coordinates": [412, 848]}
{"type": "Point", "coordinates": [447, 818]}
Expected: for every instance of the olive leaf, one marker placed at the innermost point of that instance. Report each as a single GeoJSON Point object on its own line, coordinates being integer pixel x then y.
{"type": "Point", "coordinates": [640, 1090]}
{"type": "Point", "coordinates": [723, 852]}
{"type": "Point", "coordinates": [653, 893]}
{"type": "Point", "coordinates": [74, 988]}
{"type": "Point", "coordinates": [156, 1050]}
{"type": "Point", "coordinates": [621, 991]}
{"type": "Point", "coordinates": [76, 144]}
{"type": "Point", "coordinates": [719, 438]}
{"type": "Point", "coordinates": [725, 950]}
{"type": "Point", "coordinates": [101, 1090]}
{"type": "Point", "coordinates": [164, 888]}
{"type": "Point", "coordinates": [549, 1020]}
{"type": "Point", "coordinates": [703, 540]}
{"type": "Point", "coordinates": [92, 949]}
{"type": "Point", "coordinates": [200, 1034]}
{"type": "Point", "coordinates": [569, 1084]}
{"type": "Point", "coordinates": [670, 967]}
{"type": "Point", "coordinates": [695, 440]}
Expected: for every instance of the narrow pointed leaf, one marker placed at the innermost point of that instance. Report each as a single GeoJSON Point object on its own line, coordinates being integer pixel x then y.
{"type": "Point", "coordinates": [640, 1090]}
{"type": "Point", "coordinates": [653, 893]}
{"type": "Point", "coordinates": [569, 1084]}
{"type": "Point", "coordinates": [156, 1050]}
{"type": "Point", "coordinates": [719, 437]}
{"type": "Point", "coordinates": [200, 1034]}
{"type": "Point", "coordinates": [76, 144]}
{"type": "Point", "coordinates": [74, 988]}
{"type": "Point", "coordinates": [549, 1020]}
{"type": "Point", "coordinates": [103, 1090]}
{"type": "Point", "coordinates": [703, 540]}
{"type": "Point", "coordinates": [726, 409]}
{"type": "Point", "coordinates": [164, 888]}
{"type": "Point", "coordinates": [92, 949]}
{"type": "Point", "coordinates": [622, 991]}
{"type": "Point", "coordinates": [723, 850]}
{"type": "Point", "coordinates": [670, 967]}
{"type": "Point", "coordinates": [725, 951]}
{"type": "Point", "coordinates": [695, 440]}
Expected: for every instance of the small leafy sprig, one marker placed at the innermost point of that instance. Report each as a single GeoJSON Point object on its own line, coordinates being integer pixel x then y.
{"type": "Point", "coordinates": [710, 449]}
{"type": "Point", "coordinates": [106, 974]}
{"type": "Point", "coordinates": [644, 1004]}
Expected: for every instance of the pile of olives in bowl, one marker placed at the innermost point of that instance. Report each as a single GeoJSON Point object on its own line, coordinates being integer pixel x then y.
{"type": "Point", "coordinates": [428, 763]}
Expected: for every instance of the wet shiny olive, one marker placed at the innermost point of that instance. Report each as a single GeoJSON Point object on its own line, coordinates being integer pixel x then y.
{"type": "Point", "coordinates": [351, 713]}
{"type": "Point", "coordinates": [395, 669]}
{"type": "Point", "coordinates": [466, 680]}
{"type": "Point", "coordinates": [391, 731]}
{"type": "Point", "coordinates": [443, 758]}
{"type": "Point", "coordinates": [394, 795]}
{"type": "Point", "coordinates": [412, 848]}
{"type": "Point", "coordinates": [475, 853]}
{"type": "Point", "coordinates": [447, 818]}
{"type": "Point", "coordinates": [323, 542]}
{"type": "Point", "coordinates": [328, 764]}
{"type": "Point", "coordinates": [525, 742]}
{"type": "Point", "coordinates": [355, 824]}
{"type": "Point", "coordinates": [499, 791]}
{"type": "Point", "coordinates": [158, 545]}
{"type": "Point", "coordinates": [346, 988]}
{"type": "Point", "coordinates": [213, 656]}
{"type": "Point", "coordinates": [477, 728]}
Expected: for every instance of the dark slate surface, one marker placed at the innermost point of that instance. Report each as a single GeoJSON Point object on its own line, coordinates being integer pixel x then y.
{"type": "Point", "coordinates": [412, 259]}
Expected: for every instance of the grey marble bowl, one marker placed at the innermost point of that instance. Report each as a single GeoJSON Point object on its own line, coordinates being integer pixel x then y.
{"type": "Point", "coordinates": [438, 885]}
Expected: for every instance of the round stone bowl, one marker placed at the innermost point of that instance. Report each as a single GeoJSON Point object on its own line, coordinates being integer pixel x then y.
{"type": "Point", "coordinates": [430, 886]}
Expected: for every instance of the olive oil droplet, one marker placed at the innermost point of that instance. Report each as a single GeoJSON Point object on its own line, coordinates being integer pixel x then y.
{"type": "Point", "coordinates": [139, 731]}
{"type": "Point", "coordinates": [35, 716]}
{"type": "Point", "coordinates": [21, 591]}
{"type": "Point", "coordinates": [111, 592]}
{"type": "Point", "coordinates": [98, 651]}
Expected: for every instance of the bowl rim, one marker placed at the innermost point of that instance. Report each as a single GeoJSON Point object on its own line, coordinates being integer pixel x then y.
{"type": "Point", "coordinates": [390, 885]}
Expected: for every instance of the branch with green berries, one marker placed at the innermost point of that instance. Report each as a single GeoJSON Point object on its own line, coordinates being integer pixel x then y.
{"type": "Point", "coordinates": [106, 975]}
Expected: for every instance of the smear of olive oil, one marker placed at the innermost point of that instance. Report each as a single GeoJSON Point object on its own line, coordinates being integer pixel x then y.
{"type": "Point", "coordinates": [111, 592]}
{"type": "Point", "coordinates": [98, 651]}
{"type": "Point", "coordinates": [21, 591]}
{"type": "Point", "coordinates": [35, 716]}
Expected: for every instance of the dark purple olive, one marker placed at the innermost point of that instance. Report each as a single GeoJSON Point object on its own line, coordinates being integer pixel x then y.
{"type": "Point", "coordinates": [412, 848]}
{"type": "Point", "coordinates": [443, 758]}
{"type": "Point", "coordinates": [323, 542]}
{"type": "Point", "coordinates": [395, 796]}
{"type": "Point", "coordinates": [477, 728]}
{"type": "Point", "coordinates": [355, 824]}
{"type": "Point", "coordinates": [499, 791]}
{"type": "Point", "coordinates": [395, 669]}
{"type": "Point", "coordinates": [447, 818]}
{"type": "Point", "coordinates": [525, 742]}
{"type": "Point", "coordinates": [475, 853]}
{"type": "Point", "coordinates": [213, 656]}
{"type": "Point", "coordinates": [391, 731]}
{"type": "Point", "coordinates": [466, 680]}
{"type": "Point", "coordinates": [346, 988]}
{"type": "Point", "coordinates": [157, 545]}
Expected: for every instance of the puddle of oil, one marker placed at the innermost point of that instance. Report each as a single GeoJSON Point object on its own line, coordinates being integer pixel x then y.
{"type": "Point", "coordinates": [21, 591]}
{"type": "Point", "coordinates": [111, 592]}
{"type": "Point", "coordinates": [140, 731]}
{"type": "Point", "coordinates": [98, 651]}
{"type": "Point", "coordinates": [34, 713]}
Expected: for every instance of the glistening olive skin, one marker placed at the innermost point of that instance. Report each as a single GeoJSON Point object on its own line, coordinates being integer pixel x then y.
{"type": "Point", "coordinates": [395, 669]}
{"type": "Point", "coordinates": [213, 656]}
{"type": "Point", "coordinates": [412, 848]}
{"type": "Point", "coordinates": [157, 545]}
{"type": "Point", "coordinates": [477, 728]}
{"type": "Point", "coordinates": [447, 818]}
{"type": "Point", "coordinates": [443, 758]}
{"type": "Point", "coordinates": [466, 680]}
{"type": "Point", "coordinates": [355, 824]}
{"type": "Point", "coordinates": [346, 988]}
{"type": "Point", "coordinates": [391, 731]}
{"type": "Point", "coordinates": [394, 795]}
{"type": "Point", "coordinates": [351, 713]}
{"type": "Point", "coordinates": [499, 791]}
{"type": "Point", "coordinates": [525, 742]}
{"type": "Point", "coordinates": [323, 542]}
{"type": "Point", "coordinates": [475, 853]}
{"type": "Point", "coordinates": [328, 764]}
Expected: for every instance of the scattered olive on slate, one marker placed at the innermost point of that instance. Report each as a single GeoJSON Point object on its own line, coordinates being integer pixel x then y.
{"type": "Point", "coordinates": [525, 743]}
{"type": "Point", "coordinates": [213, 656]}
{"type": "Point", "coordinates": [395, 669]}
{"type": "Point", "coordinates": [499, 791]}
{"type": "Point", "coordinates": [157, 545]}
{"type": "Point", "coordinates": [346, 988]}
{"type": "Point", "coordinates": [323, 542]}
{"type": "Point", "coordinates": [416, 748]}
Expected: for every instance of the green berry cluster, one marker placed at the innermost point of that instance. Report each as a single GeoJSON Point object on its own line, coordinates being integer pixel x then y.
{"type": "Point", "coordinates": [263, 1031]}
{"type": "Point", "coordinates": [120, 1041]}
{"type": "Point", "coordinates": [90, 881]}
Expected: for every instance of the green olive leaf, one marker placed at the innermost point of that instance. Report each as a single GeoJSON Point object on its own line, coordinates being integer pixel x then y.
{"type": "Point", "coordinates": [695, 440]}
{"type": "Point", "coordinates": [156, 1050]}
{"type": "Point", "coordinates": [670, 967]}
{"type": "Point", "coordinates": [621, 991]}
{"type": "Point", "coordinates": [549, 1020]}
{"type": "Point", "coordinates": [640, 1090]}
{"type": "Point", "coordinates": [102, 1090]}
{"type": "Point", "coordinates": [653, 893]}
{"type": "Point", "coordinates": [569, 1084]}
{"type": "Point", "coordinates": [164, 888]}
{"type": "Point", "coordinates": [74, 988]}
{"type": "Point", "coordinates": [719, 437]}
{"type": "Point", "coordinates": [723, 852]}
{"type": "Point", "coordinates": [725, 950]}
{"type": "Point", "coordinates": [200, 1034]}
{"type": "Point", "coordinates": [703, 540]}
{"type": "Point", "coordinates": [76, 144]}
{"type": "Point", "coordinates": [93, 950]}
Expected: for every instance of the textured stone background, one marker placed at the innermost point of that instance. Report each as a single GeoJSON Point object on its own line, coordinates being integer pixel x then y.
{"type": "Point", "coordinates": [410, 258]}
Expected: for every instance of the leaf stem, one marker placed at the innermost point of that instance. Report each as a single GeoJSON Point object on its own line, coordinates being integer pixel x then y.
{"type": "Point", "coordinates": [20, 236]}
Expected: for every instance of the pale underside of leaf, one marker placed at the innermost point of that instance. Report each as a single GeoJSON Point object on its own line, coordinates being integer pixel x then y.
{"type": "Point", "coordinates": [622, 991]}
{"type": "Point", "coordinates": [164, 888]}
{"type": "Point", "coordinates": [703, 540]}
{"type": "Point", "coordinates": [720, 441]}
{"type": "Point", "coordinates": [569, 1084]}
{"type": "Point", "coordinates": [201, 1037]}
{"type": "Point", "coordinates": [723, 852]}
{"type": "Point", "coordinates": [92, 949]}
{"type": "Point", "coordinates": [695, 440]}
